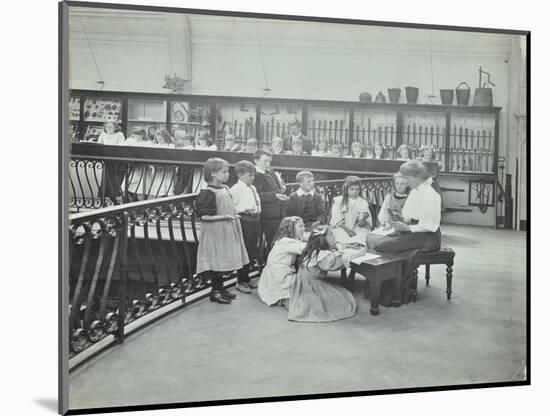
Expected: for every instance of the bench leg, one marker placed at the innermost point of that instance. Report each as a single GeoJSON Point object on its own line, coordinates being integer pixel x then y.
{"type": "Point", "coordinates": [414, 283]}
{"type": "Point", "coordinates": [449, 280]}
{"type": "Point", "coordinates": [427, 275]}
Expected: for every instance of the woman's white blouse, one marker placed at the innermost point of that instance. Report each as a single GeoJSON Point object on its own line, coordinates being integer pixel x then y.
{"type": "Point", "coordinates": [424, 205]}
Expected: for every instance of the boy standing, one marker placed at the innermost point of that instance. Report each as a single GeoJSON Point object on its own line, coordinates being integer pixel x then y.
{"type": "Point", "coordinates": [271, 191]}
{"type": "Point", "coordinates": [305, 202]}
{"type": "Point", "coordinates": [248, 207]}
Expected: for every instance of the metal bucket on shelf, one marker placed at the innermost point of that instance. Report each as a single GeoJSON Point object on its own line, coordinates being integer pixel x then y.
{"type": "Point", "coordinates": [446, 96]}
{"type": "Point", "coordinates": [394, 94]}
{"type": "Point", "coordinates": [483, 97]}
{"type": "Point", "coordinates": [462, 94]}
{"type": "Point", "coordinates": [412, 94]}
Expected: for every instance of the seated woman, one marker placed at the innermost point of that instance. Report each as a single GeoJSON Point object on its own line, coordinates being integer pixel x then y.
{"type": "Point", "coordinates": [312, 299]}
{"type": "Point", "coordinates": [279, 272]}
{"type": "Point", "coordinates": [418, 226]}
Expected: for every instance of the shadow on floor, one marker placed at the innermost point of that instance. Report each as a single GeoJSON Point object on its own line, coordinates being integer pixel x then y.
{"type": "Point", "coordinates": [49, 404]}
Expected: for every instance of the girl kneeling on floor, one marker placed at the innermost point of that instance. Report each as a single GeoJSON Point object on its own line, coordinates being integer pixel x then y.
{"type": "Point", "coordinates": [221, 246]}
{"type": "Point", "coordinates": [312, 298]}
{"type": "Point", "coordinates": [279, 272]}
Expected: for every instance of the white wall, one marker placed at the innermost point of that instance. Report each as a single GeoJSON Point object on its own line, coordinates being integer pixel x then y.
{"type": "Point", "coordinates": [134, 51]}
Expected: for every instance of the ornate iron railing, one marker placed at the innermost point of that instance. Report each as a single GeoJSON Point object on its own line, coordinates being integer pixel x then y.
{"type": "Point", "coordinates": [127, 262]}
{"type": "Point", "coordinates": [102, 176]}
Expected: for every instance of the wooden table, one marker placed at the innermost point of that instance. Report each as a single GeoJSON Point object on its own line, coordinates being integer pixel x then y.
{"type": "Point", "coordinates": [377, 271]}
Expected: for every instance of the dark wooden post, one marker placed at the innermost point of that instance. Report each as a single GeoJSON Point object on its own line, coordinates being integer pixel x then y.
{"type": "Point", "coordinates": [447, 139]}
{"type": "Point", "coordinates": [398, 129]}
{"type": "Point", "coordinates": [350, 126]}
{"type": "Point", "coordinates": [258, 125]}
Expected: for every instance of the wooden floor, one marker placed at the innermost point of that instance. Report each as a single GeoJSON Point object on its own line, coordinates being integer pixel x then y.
{"type": "Point", "coordinates": [209, 351]}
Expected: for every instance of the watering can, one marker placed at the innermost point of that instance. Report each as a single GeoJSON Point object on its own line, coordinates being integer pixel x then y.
{"type": "Point", "coordinates": [483, 96]}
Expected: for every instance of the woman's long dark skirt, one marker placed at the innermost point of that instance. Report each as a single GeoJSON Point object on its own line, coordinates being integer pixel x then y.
{"type": "Point", "coordinates": [405, 243]}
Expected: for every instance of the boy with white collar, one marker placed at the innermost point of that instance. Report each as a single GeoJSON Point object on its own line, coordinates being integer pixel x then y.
{"type": "Point", "coordinates": [305, 202]}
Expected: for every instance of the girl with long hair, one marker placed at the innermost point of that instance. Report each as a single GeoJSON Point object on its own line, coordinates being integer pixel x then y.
{"type": "Point", "coordinates": [279, 272]}
{"type": "Point", "coordinates": [312, 298]}
{"type": "Point", "coordinates": [350, 214]}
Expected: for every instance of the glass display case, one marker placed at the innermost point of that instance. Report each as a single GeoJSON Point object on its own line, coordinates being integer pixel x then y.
{"type": "Point", "coordinates": [148, 115]}
{"type": "Point", "coordinates": [237, 119]}
{"type": "Point", "coordinates": [376, 130]}
{"type": "Point", "coordinates": [328, 129]}
{"type": "Point", "coordinates": [275, 120]}
{"type": "Point", "coordinates": [189, 117]}
{"type": "Point", "coordinates": [472, 142]}
{"type": "Point", "coordinates": [464, 138]}
{"type": "Point", "coordinates": [96, 112]}
{"type": "Point", "coordinates": [423, 129]}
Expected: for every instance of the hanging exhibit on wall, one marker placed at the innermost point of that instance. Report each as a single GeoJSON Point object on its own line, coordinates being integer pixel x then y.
{"type": "Point", "coordinates": [185, 150]}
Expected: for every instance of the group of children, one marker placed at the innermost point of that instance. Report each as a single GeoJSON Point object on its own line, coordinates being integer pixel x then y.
{"type": "Point", "coordinates": [296, 268]}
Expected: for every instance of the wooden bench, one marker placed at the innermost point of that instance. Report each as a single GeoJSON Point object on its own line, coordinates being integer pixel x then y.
{"type": "Point", "coordinates": [444, 256]}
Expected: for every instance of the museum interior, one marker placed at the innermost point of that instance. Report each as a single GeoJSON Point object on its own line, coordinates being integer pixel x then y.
{"type": "Point", "coordinates": [152, 96]}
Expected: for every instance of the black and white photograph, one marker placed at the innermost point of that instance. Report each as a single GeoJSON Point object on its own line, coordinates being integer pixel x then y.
{"type": "Point", "coordinates": [264, 207]}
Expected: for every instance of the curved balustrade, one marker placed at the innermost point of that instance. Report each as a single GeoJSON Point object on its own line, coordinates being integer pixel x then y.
{"type": "Point", "coordinates": [109, 175]}
{"type": "Point", "coordinates": [128, 261]}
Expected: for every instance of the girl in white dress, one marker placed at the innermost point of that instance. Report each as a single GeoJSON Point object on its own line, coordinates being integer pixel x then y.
{"type": "Point", "coordinates": [279, 273]}
{"type": "Point", "coordinates": [350, 215]}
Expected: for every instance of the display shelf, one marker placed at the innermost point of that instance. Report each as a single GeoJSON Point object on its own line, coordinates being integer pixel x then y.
{"type": "Point", "coordinates": [465, 138]}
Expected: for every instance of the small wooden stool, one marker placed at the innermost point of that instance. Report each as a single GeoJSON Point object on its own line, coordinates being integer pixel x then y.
{"type": "Point", "coordinates": [445, 256]}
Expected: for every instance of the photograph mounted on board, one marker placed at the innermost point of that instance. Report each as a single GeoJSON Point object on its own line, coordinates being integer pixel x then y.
{"type": "Point", "coordinates": [243, 224]}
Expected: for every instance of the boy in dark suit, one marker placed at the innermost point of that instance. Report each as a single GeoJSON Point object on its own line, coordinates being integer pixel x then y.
{"type": "Point", "coordinates": [272, 198]}
{"type": "Point", "coordinates": [305, 202]}
{"type": "Point", "coordinates": [296, 133]}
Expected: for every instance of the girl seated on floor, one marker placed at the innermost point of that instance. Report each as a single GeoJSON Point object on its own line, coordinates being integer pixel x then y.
{"type": "Point", "coordinates": [279, 272]}
{"type": "Point", "coordinates": [312, 298]}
